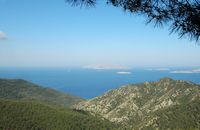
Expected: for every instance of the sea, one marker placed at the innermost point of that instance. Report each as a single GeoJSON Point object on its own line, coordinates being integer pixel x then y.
{"type": "Point", "coordinates": [89, 83]}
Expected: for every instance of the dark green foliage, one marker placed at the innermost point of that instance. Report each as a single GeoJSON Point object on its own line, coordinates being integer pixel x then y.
{"type": "Point", "coordinates": [31, 107]}
{"type": "Point", "coordinates": [22, 90]}
{"type": "Point", "coordinates": [181, 117]}
{"type": "Point", "coordinates": [182, 15]}
{"type": "Point", "coordinates": [15, 115]}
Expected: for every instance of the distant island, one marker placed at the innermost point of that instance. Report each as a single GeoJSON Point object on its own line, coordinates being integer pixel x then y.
{"type": "Point", "coordinates": [123, 72]}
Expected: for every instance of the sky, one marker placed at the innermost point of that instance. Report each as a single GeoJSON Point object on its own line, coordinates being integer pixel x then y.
{"type": "Point", "coordinates": [52, 33]}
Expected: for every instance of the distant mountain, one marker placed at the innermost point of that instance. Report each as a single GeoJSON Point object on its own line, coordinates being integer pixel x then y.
{"type": "Point", "coordinates": [22, 90]}
{"type": "Point", "coordinates": [22, 115]}
{"type": "Point", "coordinates": [166, 104]}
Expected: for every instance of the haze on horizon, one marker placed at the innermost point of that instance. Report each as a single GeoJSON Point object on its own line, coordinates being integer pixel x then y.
{"type": "Point", "coordinates": [51, 33]}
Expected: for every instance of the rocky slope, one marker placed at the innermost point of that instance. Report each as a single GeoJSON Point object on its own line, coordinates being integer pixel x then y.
{"type": "Point", "coordinates": [142, 106]}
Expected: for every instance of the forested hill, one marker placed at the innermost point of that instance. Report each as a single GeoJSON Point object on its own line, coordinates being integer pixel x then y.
{"type": "Point", "coordinates": [165, 104]}
{"type": "Point", "coordinates": [20, 115]}
{"type": "Point", "coordinates": [22, 90]}
{"type": "Point", "coordinates": [27, 106]}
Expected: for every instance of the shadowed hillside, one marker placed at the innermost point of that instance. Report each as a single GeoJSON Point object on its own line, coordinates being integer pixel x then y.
{"type": "Point", "coordinates": [22, 90]}
{"type": "Point", "coordinates": [18, 115]}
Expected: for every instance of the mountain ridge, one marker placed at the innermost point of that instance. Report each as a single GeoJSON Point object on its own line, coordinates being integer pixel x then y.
{"type": "Point", "coordinates": [163, 104]}
{"type": "Point", "coordinates": [19, 89]}
{"type": "Point", "coordinates": [130, 105]}
{"type": "Point", "coordinates": [27, 106]}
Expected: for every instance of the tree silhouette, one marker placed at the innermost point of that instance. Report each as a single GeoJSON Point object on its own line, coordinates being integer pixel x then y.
{"type": "Point", "coordinates": [182, 16]}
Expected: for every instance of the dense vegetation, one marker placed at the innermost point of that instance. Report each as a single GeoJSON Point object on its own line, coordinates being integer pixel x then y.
{"type": "Point", "coordinates": [165, 104]}
{"type": "Point", "coordinates": [185, 116]}
{"type": "Point", "coordinates": [179, 117]}
{"type": "Point", "coordinates": [18, 89]}
{"type": "Point", "coordinates": [18, 115]}
{"type": "Point", "coordinates": [26, 106]}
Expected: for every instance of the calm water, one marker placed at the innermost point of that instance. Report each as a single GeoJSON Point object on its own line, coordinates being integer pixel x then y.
{"type": "Point", "coordinates": [88, 83]}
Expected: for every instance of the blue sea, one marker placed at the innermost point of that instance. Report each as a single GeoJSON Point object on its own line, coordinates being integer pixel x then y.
{"type": "Point", "coordinates": [89, 83]}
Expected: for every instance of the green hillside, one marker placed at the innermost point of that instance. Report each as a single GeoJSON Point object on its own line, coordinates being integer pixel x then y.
{"type": "Point", "coordinates": [18, 115]}
{"type": "Point", "coordinates": [167, 103]}
{"type": "Point", "coordinates": [179, 117]}
{"type": "Point", "coordinates": [22, 90]}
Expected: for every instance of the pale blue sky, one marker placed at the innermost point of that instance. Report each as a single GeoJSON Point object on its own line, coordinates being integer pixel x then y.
{"type": "Point", "coordinates": [51, 33]}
